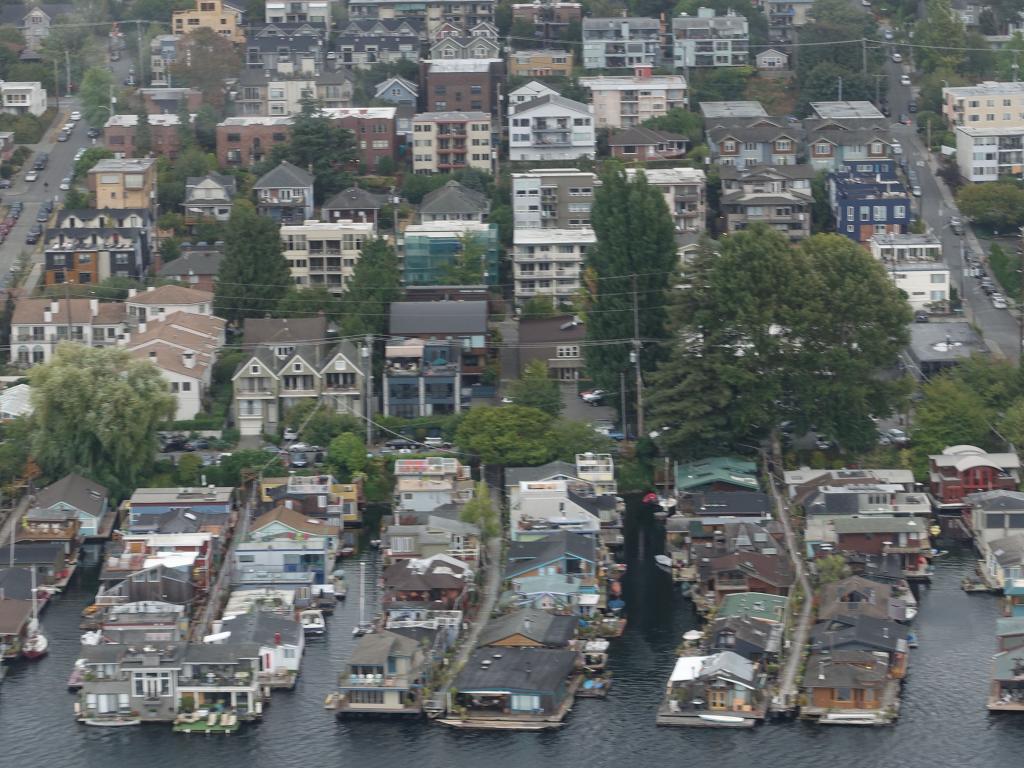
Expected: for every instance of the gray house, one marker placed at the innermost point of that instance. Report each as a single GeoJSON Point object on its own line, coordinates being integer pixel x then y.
{"type": "Point", "coordinates": [209, 196]}
{"type": "Point", "coordinates": [83, 497]}
{"type": "Point", "coordinates": [285, 194]}
{"type": "Point", "coordinates": [397, 90]}
{"type": "Point", "coordinates": [454, 202]}
{"type": "Point", "coordinates": [33, 21]}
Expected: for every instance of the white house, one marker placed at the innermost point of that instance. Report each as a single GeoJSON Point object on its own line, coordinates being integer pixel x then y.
{"type": "Point", "coordinates": [545, 506]}
{"type": "Point", "coordinates": [915, 265]}
{"type": "Point", "coordinates": [772, 59]}
{"type": "Point", "coordinates": [23, 98]}
{"type": "Point", "coordinates": [529, 92]}
{"type": "Point", "coordinates": [551, 127]}
{"type": "Point", "coordinates": [154, 303]}
{"type": "Point", "coordinates": [280, 639]}
{"type": "Point", "coordinates": [39, 325]}
{"type": "Point", "coordinates": [423, 485]}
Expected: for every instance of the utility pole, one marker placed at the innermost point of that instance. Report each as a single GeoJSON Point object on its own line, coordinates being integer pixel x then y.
{"type": "Point", "coordinates": [56, 84]}
{"type": "Point", "coordinates": [1020, 297]}
{"type": "Point", "coordinates": [368, 378]}
{"type": "Point", "coordinates": [840, 96]}
{"type": "Point", "coordinates": [622, 398]}
{"type": "Point", "coordinates": [67, 72]}
{"type": "Point", "coordinates": [67, 301]}
{"type": "Point", "coordinates": [636, 360]}
{"type": "Point", "coordinates": [142, 57]}
{"type": "Point", "coordinates": [864, 56]}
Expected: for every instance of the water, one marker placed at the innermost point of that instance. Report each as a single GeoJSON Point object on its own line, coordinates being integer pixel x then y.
{"type": "Point", "coordinates": [944, 721]}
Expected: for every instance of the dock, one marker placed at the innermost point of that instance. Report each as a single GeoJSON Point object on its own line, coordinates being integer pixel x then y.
{"type": "Point", "coordinates": [675, 717]}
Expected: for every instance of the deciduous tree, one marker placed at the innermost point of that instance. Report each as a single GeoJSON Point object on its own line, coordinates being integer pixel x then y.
{"type": "Point", "coordinates": [997, 204]}
{"type": "Point", "coordinates": [96, 411]}
{"type": "Point", "coordinates": [480, 511]}
{"type": "Point", "coordinates": [512, 435]}
{"type": "Point", "coordinates": [95, 95]}
{"type": "Point", "coordinates": [375, 284]}
{"type": "Point", "coordinates": [346, 455]}
{"type": "Point", "coordinates": [204, 61]}
{"type": "Point", "coordinates": [536, 389]}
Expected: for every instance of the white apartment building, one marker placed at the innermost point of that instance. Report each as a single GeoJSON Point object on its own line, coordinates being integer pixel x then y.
{"type": "Point", "coordinates": [549, 262]}
{"type": "Point", "coordinates": [39, 325]}
{"type": "Point", "coordinates": [316, 12]}
{"type": "Point", "coordinates": [166, 300]}
{"type": "Point", "coordinates": [985, 153]}
{"type": "Point", "coordinates": [528, 92]}
{"type": "Point", "coordinates": [684, 190]}
{"type": "Point", "coordinates": [556, 198]}
{"type": "Point", "coordinates": [22, 98]}
{"type": "Point", "coordinates": [551, 128]}
{"type": "Point", "coordinates": [707, 40]}
{"type": "Point", "coordinates": [989, 104]}
{"type": "Point", "coordinates": [626, 101]}
{"type": "Point", "coordinates": [614, 43]}
{"type": "Point", "coordinates": [325, 253]}
{"type": "Point", "coordinates": [444, 142]}
{"type": "Point", "coordinates": [915, 266]}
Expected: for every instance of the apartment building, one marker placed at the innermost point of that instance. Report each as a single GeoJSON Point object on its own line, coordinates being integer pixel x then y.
{"type": "Point", "coordinates": [263, 92]}
{"type": "Point", "coordinates": [865, 207]}
{"type": "Point", "coordinates": [120, 132]}
{"type": "Point", "coordinates": [626, 101]}
{"type": "Point", "coordinates": [88, 256]}
{"type": "Point", "coordinates": [324, 253]}
{"type": "Point", "coordinates": [894, 249]}
{"type": "Point", "coordinates": [553, 198]}
{"type": "Point", "coordinates": [444, 142]}
{"type": "Point", "coordinates": [641, 144]}
{"type": "Point", "coordinates": [549, 263]}
{"type": "Point", "coordinates": [362, 51]}
{"type": "Point", "coordinates": [915, 265]}
{"type": "Point", "coordinates": [124, 183]}
{"type": "Point", "coordinates": [163, 52]}
{"type": "Point", "coordinates": [989, 153]}
{"type": "Point", "coordinates": [285, 48]}
{"type": "Point", "coordinates": [215, 15]}
{"type": "Point", "coordinates": [529, 92]}
{"type": "Point", "coordinates": [777, 196]}
{"type": "Point", "coordinates": [39, 325]}
{"type": "Point", "coordinates": [545, 62]}
{"type": "Point", "coordinates": [373, 129]}
{"type": "Point", "coordinates": [748, 142]}
{"type": "Point", "coordinates": [990, 104]}
{"type": "Point", "coordinates": [684, 191]}
{"type": "Point", "coordinates": [170, 101]}
{"type": "Point", "coordinates": [461, 84]}
{"type": "Point", "coordinates": [479, 43]}
{"type": "Point", "coordinates": [707, 40]}
{"type": "Point", "coordinates": [245, 141]}
{"type": "Point", "coordinates": [430, 249]}
{"type": "Point", "coordinates": [315, 12]}
{"type": "Point", "coordinates": [551, 128]}
{"type": "Point", "coordinates": [550, 18]}
{"type": "Point", "coordinates": [464, 14]}
{"type": "Point", "coordinates": [618, 43]}
{"type": "Point", "coordinates": [785, 17]}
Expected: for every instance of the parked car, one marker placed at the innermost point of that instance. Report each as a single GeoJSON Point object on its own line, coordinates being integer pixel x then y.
{"type": "Point", "coordinates": [65, 183]}
{"type": "Point", "coordinates": [33, 235]}
{"type": "Point", "coordinates": [5, 183]}
{"type": "Point", "coordinates": [197, 444]}
{"type": "Point", "coordinates": [593, 396]}
{"type": "Point", "coordinates": [32, 175]}
{"type": "Point", "coordinates": [75, 116]}
{"type": "Point", "coordinates": [912, 106]}
{"type": "Point", "coordinates": [904, 79]}
{"type": "Point", "coordinates": [43, 216]}
{"type": "Point", "coordinates": [69, 127]}
{"type": "Point", "coordinates": [956, 224]}
{"type": "Point", "coordinates": [896, 57]}
{"type": "Point", "coordinates": [915, 190]}
{"type": "Point", "coordinates": [998, 301]}
{"type": "Point", "coordinates": [401, 444]}
{"type": "Point", "coordinates": [887, 34]}
{"type": "Point", "coordinates": [921, 316]}
{"type": "Point", "coordinates": [63, 136]}
{"type": "Point", "coordinates": [897, 436]}
{"type": "Point", "coordinates": [823, 443]}
{"type": "Point", "coordinates": [172, 443]}
{"type": "Point", "coordinates": [93, 133]}
{"type": "Point", "coordinates": [291, 434]}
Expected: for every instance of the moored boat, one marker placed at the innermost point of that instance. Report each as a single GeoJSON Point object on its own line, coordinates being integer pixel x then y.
{"type": "Point", "coordinates": [313, 623]}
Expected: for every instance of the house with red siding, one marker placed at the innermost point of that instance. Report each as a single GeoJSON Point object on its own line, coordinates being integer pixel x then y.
{"type": "Point", "coordinates": [963, 469]}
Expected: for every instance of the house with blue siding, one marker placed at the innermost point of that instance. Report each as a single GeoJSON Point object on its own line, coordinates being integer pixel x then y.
{"type": "Point", "coordinates": [431, 249]}
{"type": "Point", "coordinates": [866, 206]}
{"type": "Point", "coordinates": [86, 499]}
{"type": "Point", "coordinates": [153, 502]}
{"type": "Point", "coordinates": [748, 141]}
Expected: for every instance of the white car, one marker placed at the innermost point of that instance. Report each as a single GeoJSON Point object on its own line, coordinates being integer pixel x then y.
{"type": "Point", "coordinates": [69, 127]}
{"type": "Point", "coordinates": [31, 175]}
{"type": "Point", "coordinates": [65, 184]}
{"type": "Point", "coordinates": [998, 302]}
{"type": "Point", "coordinates": [897, 436]}
{"type": "Point", "coordinates": [75, 116]}
{"type": "Point", "coordinates": [897, 148]}
{"type": "Point", "coordinates": [888, 35]}
{"type": "Point", "coordinates": [904, 79]}
{"type": "Point", "coordinates": [79, 153]}
{"type": "Point", "coordinates": [897, 58]}
{"type": "Point", "coordinates": [291, 434]}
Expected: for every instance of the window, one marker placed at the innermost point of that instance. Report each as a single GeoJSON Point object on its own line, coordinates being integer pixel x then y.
{"type": "Point", "coordinates": [899, 212]}
{"type": "Point", "coordinates": [879, 213]}
{"type": "Point", "coordinates": [843, 694]}
{"type": "Point", "coordinates": [568, 351]}
{"type": "Point", "coordinates": [865, 213]}
{"type": "Point", "coordinates": [938, 277]}
{"type": "Point", "coordinates": [729, 146]}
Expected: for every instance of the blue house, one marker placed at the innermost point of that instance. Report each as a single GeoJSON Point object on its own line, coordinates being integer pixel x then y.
{"type": "Point", "coordinates": [83, 497]}
{"type": "Point", "coordinates": [146, 503]}
{"type": "Point", "coordinates": [397, 90]}
{"type": "Point", "coordinates": [561, 553]}
{"type": "Point", "coordinates": [865, 206]}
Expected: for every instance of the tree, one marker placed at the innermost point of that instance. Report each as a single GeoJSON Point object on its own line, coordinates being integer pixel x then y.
{"type": "Point", "coordinates": [480, 511]}
{"type": "Point", "coordinates": [308, 301]}
{"type": "Point", "coordinates": [720, 83]}
{"type": "Point", "coordinates": [822, 218]}
{"type": "Point", "coordinates": [938, 34]}
{"type": "Point", "coordinates": [998, 204]}
{"type": "Point", "coordinates": [766, 332]}
{"type": "Point", "coordinates": [234, 467]}
{"type": "Point", "coordinates": [681, 121]}
{"type": "Point", "coordinates": [204, 61]}
{"type": "Point", "coordinates": [206, 128]}
{"type": "Point", "coordinates": [468, 265]}
{"type": "Point", "coordinates": [566, 438]}
{"type": "Point", "coordinates": [512, 435]}
{"type": "Point", "coordinates": [96, 411]}
{"type": "Point", "coordinates": [95, 95]}
{"type": "Point", "coordinates": [85, 163]}
{"type": "Point", "coordinates": [831, 569]}
{"type": "Point", "coordinates": [634, 259]}
{"type": "Point", "coordinates": [319, 425]}
{"type": "Point", "coordinates": [186, 129]}
{"type": "Point", "coordinates": [76, 199]}
{"type": "Point", "coordinates": [536, 389]}
{"type": "Point", "coordinates": [346, 455]}
{"type": "Point", "coordinates": [317, 143]}
{"type": "Point", "coordinates": [188, 470]}
{"type": "Point", "coordinates": [143, 133]}
{"type": "Point", "coordinates": [950, 413]}
{"type": "Point", "coordinates": [254, 275]}
{"type": "Point", "coordinates": [375, 284]}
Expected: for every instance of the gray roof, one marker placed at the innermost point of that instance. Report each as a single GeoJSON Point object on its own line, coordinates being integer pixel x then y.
{"type": "Point", "coordinates": [758, 635]}
{"type": "Point", "coordinates": [638, 135]}
{"type": "Point", "coordinates": [455, 198]}
{"type": "Point", "coordinates": [385, 84]}
{"type": "Point", "coordinates": [845, 669]}
{"type": "Point", "coordinates": [555, 99]}
{"type": "Point", "coordinates": [193, 263]}
{"type": "Point", "coordinates": [220, 653]}
{"type": "Point", "coordinates": [524, 555]}
{"type": "Point", "coordinates": [878, 524]}
{"type": "Point", "coordinates": [859, 632]}
{"type": "Point", "coordinates": [728, 503]}
{"type": "Point", "coordinates": [375, 648]}
{"type": "Point", "coordinates": [1012, 501]}
{"type": "Point", "coordinates": [516, 475]}
{"type": "Point", "coordinates": [799, 171]}
{"type": "Point", "coordinates": [635, 22]}
{"type": "Point", "coordinates": [286, 330]}
{"type": "Point", "coordinates": [76, 491]}
{"type": "Point", "coordinates": [416, 318]}
{"type": "Point", "coordinates": [1009, 550]}
{"type": "Point", "coordinates": [541, 627]}
{"type": "Point", "coordinates": [263, 627]}
{"type": "Point", "coordinates": [16, 583]}
{"type": "Point", "coordinates": [533, 670]}
{"type": "Point", "coordinates": [285, 175]}
{"type": "Point", "coordinates": [355, 198]}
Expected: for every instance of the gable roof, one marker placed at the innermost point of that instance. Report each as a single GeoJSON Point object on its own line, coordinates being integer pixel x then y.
{"type": "Point", "coordinates": [416, 318]}
{"type": "Point", "coordinates": [171, 294]}
{"type": "Point", "coordinates": [264, 628]}
{"type": "Point", "coordinates": [845, 669]}
{"type": "Point", "coordinates": [455, 198]}
{"type": "Point", "coordinates": [548, 629]}
{"type": "Point", "coordinates": [761, 636]}
{"type": "Point", "coordinates": [776, 570]}
{"type": "Point", "coordinates": [859, 632]}
{"type": "Point", "coordinates": [526, 555]}
{"type": "Point", "coordinates": [375, 648]}
{"type": "Point", "coordinates": [284, 175]}
{"type": "Point", "coordinates": [13, 615]}
{"type": "Point", "coordinates": [386, 85]}
{"type": "Point", "coordinates": [295, 520]}
{"type": "Point", "coordinates": [77, 491]}
{"type": "Point", "coordinates": [555, 99]}
{"type": "Point", "coordinates": [717, 469]}
{"type": "Point", "coordinates": [356, 198]}
{"type": "Point", "coordinates": [639, 135]}
{"type": "Point", "coordinates": [193, 263]}
{"type": "Point", "coordinates": [283, 330]}
{"type": "Point", "coordinates": [516, 475]}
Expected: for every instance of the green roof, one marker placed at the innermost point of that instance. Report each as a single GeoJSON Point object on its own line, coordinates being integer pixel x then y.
{"type": "Point", "coordinates": [756, 605]}
{"type": "Point", "coordinates": [879, 524]}
{"type": "Point", "coordinates": [718, 469]}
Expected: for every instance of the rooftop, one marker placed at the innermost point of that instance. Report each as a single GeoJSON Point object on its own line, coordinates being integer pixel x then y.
{"type": "Point", "coordinates": [441, 117]}
{"type": "Point", "coordinates": [632, 82]}
{"type": "Point", "coordinates": [170, 294]}
{"type": "Point", "coordinates": [986, 88]}
{"type": "Point", "coordinates": [582, 236]}
{"type": "Point", "coordinates": [937, 342]}
{"type": "Point", "coordinates": [711, 109]}
{"type": "Point", "coordinates": [521, 670]}
{"type": "Point", "coordinates": [444, 66]}
{"type": "Point", "coordinates": [416, 318]}
{"type": "Point", "coordinates": [847, 110]}
{"type": "Point", "coordinates": [123, 165]}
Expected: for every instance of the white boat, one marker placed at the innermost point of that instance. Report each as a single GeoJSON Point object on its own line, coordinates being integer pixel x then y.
{"type": "Point", "coordinates": [731, 719]}
{"type": "Point", "coordinates": [340, 587]}
{"type": "Point", "coordinates": [664, 562]}
{"type": "Point", "coordinates": [312, 621]}
{"type": "Point", "coordinates": [92, 638]}
{"type": "Point", "coordinates": [363, 627]}
{"type": "Point", "coordinates": [101, 723]}
{"type": "Point", "coordinates": [36, 645]}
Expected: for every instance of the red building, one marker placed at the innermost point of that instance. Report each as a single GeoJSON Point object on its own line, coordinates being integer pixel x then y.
{"type": "Point", "coordinates": [244, 141]}
{"type": "Point", "coordinates": [873, 534]}
{"type": "Point", "coordinates": [963, 469]}
{"type": "Point", "coordinates": [748, 572]}
{"type": "Point", "coordinates": [374, 131]}
{"type": "Point", "coordinates": [119, 135]}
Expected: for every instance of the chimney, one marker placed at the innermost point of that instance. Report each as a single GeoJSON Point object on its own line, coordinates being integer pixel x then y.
{"type": "Point", "coordinates": [55, 307]}
{"type": "Point", "coordinates": [642, 72]}
{"type": "Point", "coordinates": [277, 638]}
{"type": "Point", "coordinates": [150, 288]}
{"type": "Point", "coordinates": [94, 307]}
{"type": "Point", "coordinates": [47, 316]}
{"type": "Point", "coordinates": [142, 327]}
{"type": "Point", "coordinates": [132, 292]}
{"type": "Point", "coordinates": [188, 359]}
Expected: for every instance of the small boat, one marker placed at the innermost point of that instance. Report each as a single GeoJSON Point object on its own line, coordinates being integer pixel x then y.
{"type": "Point", "coordinates": [595, 654]}
{"type": "Point", "coordinates": [363, 627]}
{"type": "Point", "coordinates": [92, 638]}
{"type": "Point", "coordinates": [912, 639]}
{"type": "Point", "coordinates": [375, 543]}
{"type": "Point", "coordinates": [99, 722]}
{"type": "Point", "coordinates": [664, 562]}
{"type": "Point", "coordinates": [36, 645]}
{"type": "Point", "coordinates": [313, 623]}
{"type": "Point", "coordinates": [730, 719]}
{"type": "Point", "coordinates": [939, 552]}
{"type": "Point", "coordinates": [77, 675]}
{"type": "Point", "coordinates": [340, 587]}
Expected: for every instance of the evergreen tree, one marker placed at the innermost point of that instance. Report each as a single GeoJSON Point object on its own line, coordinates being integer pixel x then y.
{"type": "Point", "coordinates": [467, 266]}
{"type": "Point", "coordinates": [375, 283]}
{"type": "Point", "coordinates": [536, 389]}
{"type": "Point", "coordinates": [143, 133]}
{"type": "Point", "coordinates": [634, 258]}
{"type": "Point", "coordinates": [186, 129]}
{"type": "Point", "coordinates": [254, 276]}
